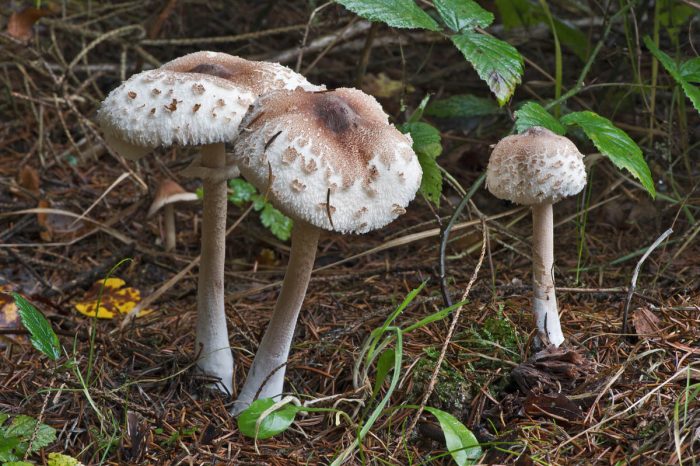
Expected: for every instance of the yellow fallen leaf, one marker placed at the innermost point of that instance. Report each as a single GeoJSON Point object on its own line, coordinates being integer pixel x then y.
{"type": "Point", "coordinates": [9, 318]}
{"type": "Point", "coordinates": [116, 299]}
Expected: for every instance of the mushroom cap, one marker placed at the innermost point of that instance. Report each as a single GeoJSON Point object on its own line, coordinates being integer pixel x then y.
{"type": "Point", "coordinates": [535, 167]}
{"type": "Point", "coordinates": [169, 192]}
{"type": "Point", "coordinates": [199, 98]}
{"type": "Point", "coordinates": [332, 158]}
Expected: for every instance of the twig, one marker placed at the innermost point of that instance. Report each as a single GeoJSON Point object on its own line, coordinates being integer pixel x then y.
{"type": "Point", "coordinates": [450, 332]}
{"type": "Point", "coordinates": [445, 235]}
{"type": "Point", "coordinates": [633, 285]}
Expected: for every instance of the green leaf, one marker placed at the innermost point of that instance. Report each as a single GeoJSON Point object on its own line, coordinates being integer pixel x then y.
{"type": "Point", "coordinates": [463, 14]}
{"type": "Point", "coordinates": [690, 70]}
{"type": "Point", "coordinates": [533, 114]}
{"type": "Point", "coordinates": [461, 442]}
{"type": "Point", "coordinates": [3, 417]}
{"type": "Point", "coordinates": [427, 146]}
{"type": "Point", "coordinates": [691, 91]}
{"type": "Point", "coordinates": [242, 191]}
{"type": "Point", "coordinates": [462, 106]}
{"type": "Point", "coordinates": [41, 334]}
{"type": "Point", "coordinates": [259, 202]}
{"type": "Point", "coordinates": [23, 427]}
{"type": "Point", "coordinates": [279, 224]}
{"type": "Point", "coordinates": [276, 422]}
{"type": "Point", "coordinates": [614, 144]}
{"type": "Point", "coordinates": [57, 459]}
{"type": "Point", "coordinates": [7, 447]}
{"type": "Point", "coordinates": [395, 13]}
{"type": "Point", "coordinates": [495, 61]}
{"type": "Point", "coordinates": [18, 463]}
{"type": "Point", "coordinates": [384, 364]}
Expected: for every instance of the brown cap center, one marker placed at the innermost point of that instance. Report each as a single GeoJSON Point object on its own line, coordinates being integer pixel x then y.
{"type": "Point", "coordinates": [212, 69]}
{"type": "Point", "coordinates": [335, 113]}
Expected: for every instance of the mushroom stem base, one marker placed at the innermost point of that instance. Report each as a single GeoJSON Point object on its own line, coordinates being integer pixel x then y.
{"type": "Point", "coordinates": [212, 343]}
{"type": "Point", "coordinates": [269, 365]}
{"type": "Point", "coordinates": [545, 300]}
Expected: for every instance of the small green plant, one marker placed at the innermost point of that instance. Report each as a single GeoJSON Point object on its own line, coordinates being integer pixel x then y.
{"type": "Point", "coordinates": [383, 351]}
{"type": "Point", "coordinates": [274, 220]}
{"type": "Point", "coordinates": [686, 73]}
{"type": "Point", "coordinates": [15, 437]}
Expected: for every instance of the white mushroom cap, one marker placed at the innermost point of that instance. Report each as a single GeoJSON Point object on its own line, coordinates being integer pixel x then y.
{"type": "Point", "coordinates": [199, 98]}
{"type": "Point", "coordinates": [535, 167]}
{"type": "Point", "coordinates": [169, 192]}
{"type": "Point", "coordinates": [335, 146]}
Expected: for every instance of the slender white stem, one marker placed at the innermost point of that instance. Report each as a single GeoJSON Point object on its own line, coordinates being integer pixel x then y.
{"type": "Point", "coordinates": [212, 337]}
{"type": "Point", "coordinates": [268, 366]}
{"type": "Point", "coordinates": [169, 220]}
{"type": "Point", "coordinates": [544, 299]}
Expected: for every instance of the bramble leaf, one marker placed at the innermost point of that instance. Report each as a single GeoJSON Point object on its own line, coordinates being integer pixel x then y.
{"type": "Point", "coordinates": [427, 146]}
{"type": "Point", "coordinates": [42, 335]}
{"type": "Point", "coordinates": [463, 14]}
{"type": "Point", "coordinates": [614, 144]}
{"type": "Point", "coordinates": [676, 72]}
{"type": "Point", "coordinates": [533, 114]}
{"type": "Point", "coordinates": [495, 61]}
{"type": "Point", "coordinates": [395, 13]}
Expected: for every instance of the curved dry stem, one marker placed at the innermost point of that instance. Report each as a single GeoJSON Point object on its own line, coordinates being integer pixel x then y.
{"type": "Point", "coordinates": [268, 367]}
{"type": "Point", "coordinates": [544, 301]}
{"type": "Point", "coordinates": [212, 337]}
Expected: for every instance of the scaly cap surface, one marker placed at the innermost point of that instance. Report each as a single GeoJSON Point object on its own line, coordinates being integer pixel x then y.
{"type": "Point", "coordinates": [535, 167]}
{"type": "Point", "coordinates": [335, 160]}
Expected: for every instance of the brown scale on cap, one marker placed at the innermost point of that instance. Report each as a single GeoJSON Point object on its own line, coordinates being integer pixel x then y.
{"type": "Point", "coordinates": [341, 122]}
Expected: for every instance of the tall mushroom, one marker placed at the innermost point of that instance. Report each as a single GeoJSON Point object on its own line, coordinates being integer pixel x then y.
{"type": "Point", "coordinates": [329, 160]}
{"type": "Point", "coordinates": [538, 168]}
{"type": "Point", "coordinates": [197, 100]}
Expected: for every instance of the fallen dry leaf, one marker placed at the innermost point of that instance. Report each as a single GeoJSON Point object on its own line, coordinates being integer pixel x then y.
{"type": "Point", "coordinates": [115, 299]}
{"type": "Point", "coordinates": [28, 178]}
{"type": "Point", "coordinates": [645, 322]}
{"type": "Point", "coordinates": [21, 22]}
{"type": "Point", "coordinates": [9, 318]}
{"type": "Point", "coordinates": [554, 405]}
{"type": "Point", "coordinates": [381, 85]}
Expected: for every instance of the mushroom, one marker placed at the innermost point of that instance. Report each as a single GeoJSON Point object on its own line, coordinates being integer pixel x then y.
{"type": "Point", "coordinates": [538, 168]}
{"type": "Point", "coordinates": [196, 100]}
{"type": "Point", "coordinates": [329, 160]}
{"type": "Point", "coordinates": [168, 194]}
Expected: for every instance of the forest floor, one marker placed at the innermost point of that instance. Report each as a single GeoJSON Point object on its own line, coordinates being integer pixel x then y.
{"type": "Point", "coordinates": [605, 398]}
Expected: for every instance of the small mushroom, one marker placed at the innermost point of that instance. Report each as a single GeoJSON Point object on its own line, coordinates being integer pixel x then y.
{"type": "Point", "coordinates": [346, 135]}
{"type": "Point", "coordinates": [168, 194]}
{"type": "Point", "coordinates": [181, 103]}
{"type": "Point", "coordinates": [538, 168]}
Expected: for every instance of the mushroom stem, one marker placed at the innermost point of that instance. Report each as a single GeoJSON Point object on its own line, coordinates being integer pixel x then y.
{"type": "Point", "coordinates": [544, 299]}
{"type": "Point", "coordinates": [269, 364]}
{"type": "Point", "coordinates": [169, 219]}
{"type": "Point", "coordinates": [215, 356]}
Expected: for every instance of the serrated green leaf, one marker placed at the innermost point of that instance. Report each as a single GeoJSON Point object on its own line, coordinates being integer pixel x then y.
{"type": "Point", "coordinates": [462, 106]}
{"type": "Point", "coordinates": [275, 423]}
{"type": "Point", "coordinates": [23, 427]}
{"type": "Point", "coordinates": [614, 144]}
{"type": "Point", "coordinates": [690, 70]}
{"type": "Point", "coordinates": [427, 146]}
{"type": "Point", "coordinates": [396, 13]}
{"type": "Point", "coordinates": [426, 138]}
{"type": "Point", "coordinates": [463, 14]}
{"type": "Point", "coordinates": [495, 61]}
{"type": "Point", "coordinates": [279, 224]}
{"type": "Point", "coordinates": [533, 114]}
{"type": "Point", "coordinates": [460, 441]}
{"type": "Point", "coordinates": [57, 459]}
{"type": "Point", "coordinates": [242, 191]}
{"type": "Point", "coordinates": [41, 334]}
{"type": "Point", "coordinates": [691, 91]}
